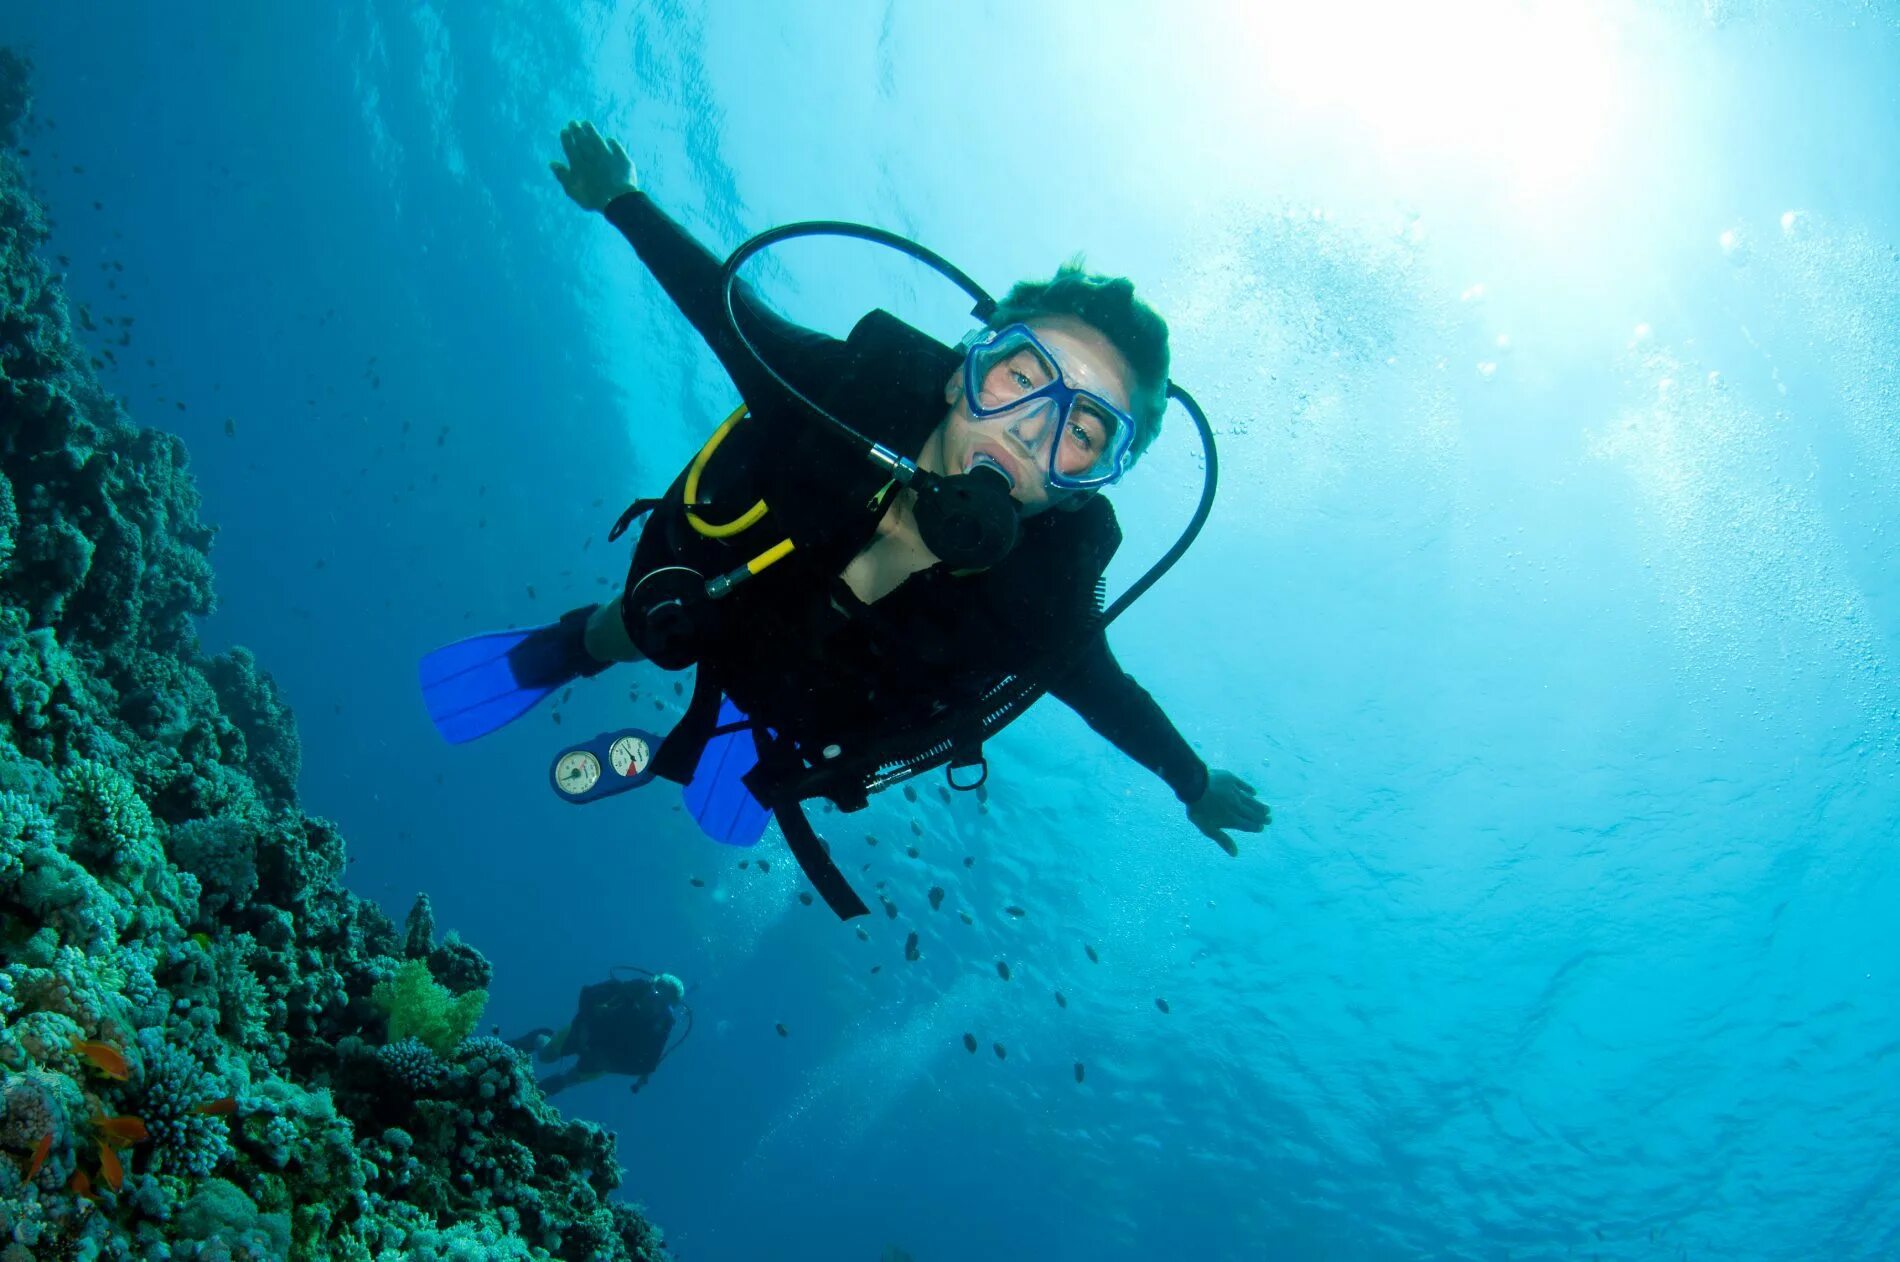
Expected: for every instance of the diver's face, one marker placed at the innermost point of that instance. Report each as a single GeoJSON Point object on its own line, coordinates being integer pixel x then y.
{"type": "Point", "coordinates": [1018, 443]}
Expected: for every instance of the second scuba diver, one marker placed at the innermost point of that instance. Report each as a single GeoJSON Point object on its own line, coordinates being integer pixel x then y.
{"type": "Point", "coordinates": [850, 631]}
{"type": "Point", "coordinates": [621, 1026]}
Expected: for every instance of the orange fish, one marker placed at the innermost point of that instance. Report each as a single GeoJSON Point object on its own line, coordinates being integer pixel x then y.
{"type": "Point", "coordinates": [223, 1106]}
{"type": "Point", "coordinates": [39, 1155]}
{"type": "Point", "coordinates": [126, 1129]}
{"type": "Point", "coordinates": [109, 1168]}
{"type": "Point", "coordinates": [81, 1185]}
{"type": "Point", "coordinates": [107, 1059]}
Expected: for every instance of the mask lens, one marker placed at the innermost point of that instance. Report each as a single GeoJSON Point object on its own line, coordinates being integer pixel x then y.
{"type": "Point", "coordinates": [1009, 370]}
{"type": "Point", "coordinates": [1088, 439]}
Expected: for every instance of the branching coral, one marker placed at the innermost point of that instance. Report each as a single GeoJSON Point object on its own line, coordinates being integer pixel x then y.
{"type": "Point", "coordinates": [412, 1064]}
{"type": "Point", "coordinates": [173, 1097]}
{"type": "Point", "coordinates": [112, 830]}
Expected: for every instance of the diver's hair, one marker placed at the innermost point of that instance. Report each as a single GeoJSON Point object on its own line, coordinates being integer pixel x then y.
{"type": "Point", "coordinates": [1108, 305]}
{"type": "Point", "coordinates": [666, 981]}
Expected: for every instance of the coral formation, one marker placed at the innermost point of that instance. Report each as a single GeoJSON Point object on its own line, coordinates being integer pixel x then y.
{"type": "Point", "coordinates": [209, 1048]}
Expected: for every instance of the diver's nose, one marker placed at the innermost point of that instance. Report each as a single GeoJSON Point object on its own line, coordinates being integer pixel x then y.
{"type": "Point", "coordinates": [1032, 424]}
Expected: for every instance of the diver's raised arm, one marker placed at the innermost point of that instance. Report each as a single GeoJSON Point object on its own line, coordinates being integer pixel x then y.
{"type": "Point", "coordinates": [599, 176]}
{"type": "Point", "coordinates": [1115, 706]}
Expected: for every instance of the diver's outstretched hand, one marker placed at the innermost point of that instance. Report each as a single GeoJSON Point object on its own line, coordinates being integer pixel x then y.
{"type": "Point", "coordinates": [1228, 802]}
{"type": "Point", "coordinates": [597, 169]}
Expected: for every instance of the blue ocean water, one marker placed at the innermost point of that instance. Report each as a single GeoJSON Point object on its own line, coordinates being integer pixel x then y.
{"type": "Point", "coordinates": [1550, 598]}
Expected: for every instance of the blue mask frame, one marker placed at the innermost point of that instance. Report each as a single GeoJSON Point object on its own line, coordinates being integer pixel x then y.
{"type": "Point", "coordinates": [1064, 396]}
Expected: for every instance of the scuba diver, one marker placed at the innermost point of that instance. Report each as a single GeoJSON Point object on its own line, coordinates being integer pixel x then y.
{"type": "Point", "coordinates": [907, 540]}
{"type": "Point", "coordinates": [621, 1026]}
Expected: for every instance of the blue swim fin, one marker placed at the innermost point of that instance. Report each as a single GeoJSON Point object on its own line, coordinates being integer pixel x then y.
{"type": "Point", "coordinates": [716, 797]}
{"type": "Point", "coordinates": [488, 681]}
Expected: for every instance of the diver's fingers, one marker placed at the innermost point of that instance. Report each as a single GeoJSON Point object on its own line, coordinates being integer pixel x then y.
{"type": "Point", "coordinates": [561, 173]}
{"type": "Point", "coordinates": [619, 153]}
{"type": "Point", "coordinates": [1243, 784]}
{"type": "Point", "coordinates": [1225, 842]}
{"type": "Point", "coordinates": [581, 143]}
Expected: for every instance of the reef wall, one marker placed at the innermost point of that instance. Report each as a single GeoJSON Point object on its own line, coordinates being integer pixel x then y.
{"type": "Point", "coordinates": [196, 1017]}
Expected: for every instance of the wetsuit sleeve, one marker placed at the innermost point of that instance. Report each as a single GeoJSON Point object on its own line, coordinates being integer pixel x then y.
{"type": "Point", "coordinates": [689, 273]}
{"type": "Point", "coordinates": [1111, 702]}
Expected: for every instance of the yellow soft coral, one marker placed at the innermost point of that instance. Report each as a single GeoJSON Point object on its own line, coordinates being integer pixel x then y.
{"type": "Point", "coordinates": [422, 1007]}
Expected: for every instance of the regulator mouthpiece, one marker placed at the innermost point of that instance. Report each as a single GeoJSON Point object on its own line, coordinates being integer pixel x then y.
{"type": "Point", "coordinates": [968, 520]}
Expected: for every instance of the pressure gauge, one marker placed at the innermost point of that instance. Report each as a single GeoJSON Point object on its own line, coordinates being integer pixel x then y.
{"type": "Point", "coordinates": [629, 755]}
{"type": "Point", "coordinates": [577, 771]}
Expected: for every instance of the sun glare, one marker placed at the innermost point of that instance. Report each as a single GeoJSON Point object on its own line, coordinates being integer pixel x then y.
{"type": "Point", "coordinates": [1531, 91]}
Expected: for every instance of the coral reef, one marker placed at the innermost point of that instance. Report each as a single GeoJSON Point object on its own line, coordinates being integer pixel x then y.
{"type": "Point", "coordinates": [209, 1048]}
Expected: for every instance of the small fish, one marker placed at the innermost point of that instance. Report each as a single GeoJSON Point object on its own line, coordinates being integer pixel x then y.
{"type": "Point", "coordinates": [1002, 1053]}
{"type": "Point", "coordinates": [910, 794]}
{"type": "Point", "coordinates": [780, 1027]}
{"type": "Point", "coordinates": [697, 884]}
{"type": "Point", "coordinates": [1093, 958]}
{"type": "Point", "coordinates": [40, 1150]}
{"type": "Point", "coordinates": [109, 1168]}
{"type": "Point", "coordinates": [969, 860]}
{"type": "Point", "coordinates": [81, 1185]}
{"type": "Point", "coordinates": [127, 1129]}
{"type": "Point", "coordinates": [1002, 970]}
{"type": "Point", "coordinates": [863, 936]}
{"type": "Point", "coordinates": [910, 947]}
{"type": "Point", "coordinates": [916, 828]}
{"type": "Point", "coordinates": [890, 909]}
{"type": "Point", "coordinates": [936, 897]}
{"type": "Point", "coordinates": [1061, 1002]}
{"type": "Point", "coordinates": [964, 916]}
{"type": "Point", "coordinates": [1078, 1071]}
{"type": "Point", "coordinates": [1161, 1003]}
{"type": "Point", "coordinates": [969, 1043]}
{"type": "Point", "coordinates": [230, 428]}
{"type": "Point", "coordinates": [745, 863]}
{"type": "Point", "coordinates": [911, 851]}
{"type": "Point", "coordinates": [107, 1059]}
{"type": "Point", "coordinates": [679, 689]}
{"type": "Point", "coordinates": [223, 1106]}
{"type": "Point", "coordinates": [804, 896]}
{"type": "Point", "coordinates": [877, 968]}
{"type": "Point", "coordinates": [1014, 910]}
{"type": "Point", "coordinates": [869, 840]}
{"type": "Point", "coordinates": [765, 865]}
{"type": "Point", "coordinates": [943, 793]}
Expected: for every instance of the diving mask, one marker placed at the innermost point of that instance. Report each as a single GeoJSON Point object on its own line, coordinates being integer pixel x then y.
{"type": "Point", "coordinates": [1080, 439]}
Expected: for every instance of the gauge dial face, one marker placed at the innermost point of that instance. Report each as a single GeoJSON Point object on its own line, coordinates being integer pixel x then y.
{"type": "Point", "coordinates": [629, 756]}
{"type": "Point", "coordinates": [576, 772]}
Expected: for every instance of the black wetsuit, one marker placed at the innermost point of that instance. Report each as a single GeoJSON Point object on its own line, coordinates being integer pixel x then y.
{"type": "Point", "coordinates": [621, 1028]}
{"type": "Point", "coordinates": [795, 647]}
